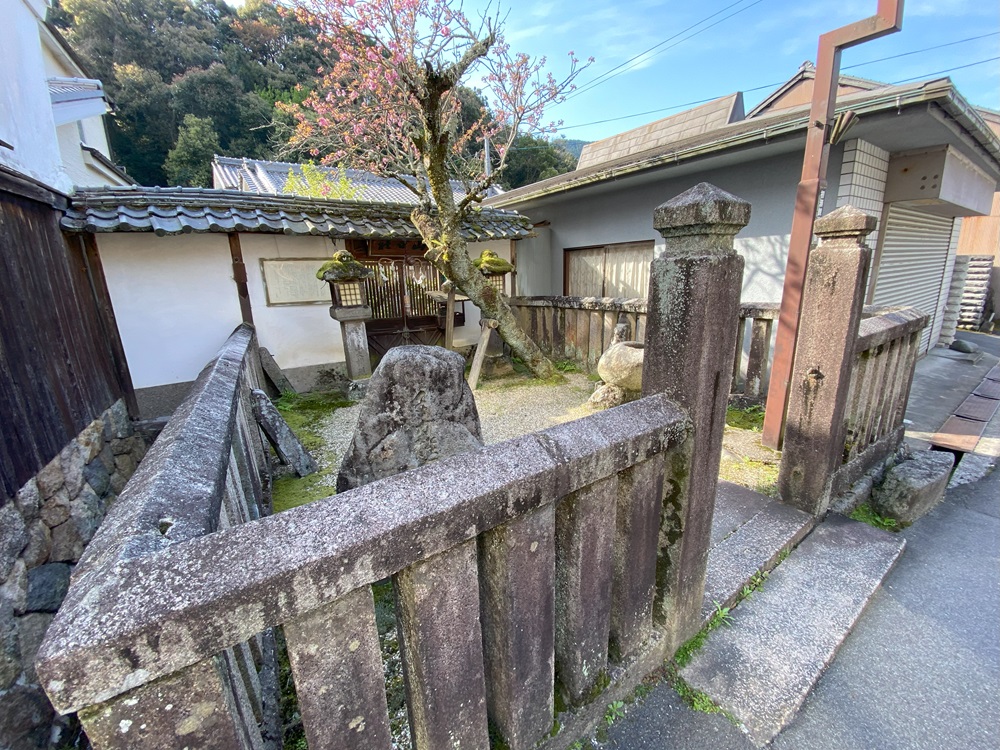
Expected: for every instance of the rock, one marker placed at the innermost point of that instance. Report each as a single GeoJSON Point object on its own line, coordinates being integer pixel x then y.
{"type": "Point", "coordinates": [966, 347]}
{"type": "Point", "coordinates": [25, 718]}
{"type": "Point", "coordinates": [621, 333]}
{"type": "Point", "coordinates": [39, 545]}
{"type": "Point", "coordinates": [15, 589]}
{"type": "Point", "coordinates": [117, 422]}
{"type": "Point", "coordinates": [13, 537]}
{"type": "Point", "coordinates": [285, 442]}
{"type": "Point", "coordinates": [125, 465]}
{"type": "Point", "coordinates": [138, 451]}
{"type": "Point", "coordinates": [30, 632]}
{"type": "Point", "coordinates": [91, 440]}
{"type": "Point", "coordinates": [120, 447]}
{"type": "Point", "coordinates": [67, 543]}
{"type": "Point", "coordinates": [47, 587]}
{"type": "Point", "coordinates": [72, 460]}
{"type": "Point", "coordinates": [607, 396]}
{"type": "Point", "coordinates": [50, 479]}
{"type": "Point", "coordinates": [29, 500]}
{"type": "Point", "coordinates": [621, 365]}
{"type": "Point", "coordinates": [10, 654]}
{"type": "Point", "coordinates": [118, 482]}
{"type": "Point", "coordinates": [911, 488]}
{"type": "Point", "coordinates": [86, 514]}
{"type": "Point", "coordinates": [107, 457]}
{"type": "Point", "coordinates": [417, 408]}
{"type": "Point", "coordinates": [55, 510]}
{"type": "Point", "coordinates": [97, 476]}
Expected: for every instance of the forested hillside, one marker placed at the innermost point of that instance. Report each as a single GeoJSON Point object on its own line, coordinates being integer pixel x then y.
{"type": "Point", "coordinates": [193, 78]}
{"type": "Point", "coordinates": [187, 78]}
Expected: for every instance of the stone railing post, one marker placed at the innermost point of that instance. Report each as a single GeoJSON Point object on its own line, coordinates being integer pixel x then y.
{"type": "Point", "coordinates": [693, 309]}
{"type": "Point", "coordinates": [355, 336]}
{"type": "Point", "coordinates": [832, 302]}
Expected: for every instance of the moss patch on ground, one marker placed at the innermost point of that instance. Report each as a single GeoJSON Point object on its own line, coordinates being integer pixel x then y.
{"type": "Point", "coordinates": [866, 514]}
{"type": "Point", "coordinates": [757, 475]}
{"type": "Point", "coordinates": [750, 418]}
{"type": "Point", "coordinates": [304, 413]}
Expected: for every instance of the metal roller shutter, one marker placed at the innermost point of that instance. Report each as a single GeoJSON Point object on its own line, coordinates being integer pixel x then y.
{"type": "Point", "coordinates": [913, 263]}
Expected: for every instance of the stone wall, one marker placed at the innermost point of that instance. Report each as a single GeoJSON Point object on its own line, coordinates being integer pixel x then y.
{"type": "Point", "coordinates": [43, 532]}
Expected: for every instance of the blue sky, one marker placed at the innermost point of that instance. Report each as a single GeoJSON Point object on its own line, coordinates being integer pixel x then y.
{"type": "Point", "coordinates": [763, 43]}
{"type": "Point", "coordinates": [736, 45]}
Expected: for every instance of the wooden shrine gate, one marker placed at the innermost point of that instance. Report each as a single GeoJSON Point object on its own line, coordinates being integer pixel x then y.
{"type": "Point", "coordinates": [402, 311]}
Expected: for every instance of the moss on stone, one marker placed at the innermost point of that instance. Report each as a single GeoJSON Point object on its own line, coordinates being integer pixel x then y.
{"type": "Point", "coordinates": [490, 263]}
{"type": "Point", "coordinates": [304, 413]}
{"type": "Point", "coordinates": [343, 267]}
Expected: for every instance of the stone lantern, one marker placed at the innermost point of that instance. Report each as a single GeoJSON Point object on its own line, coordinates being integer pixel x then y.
{"type": "Point", "coordinates": [346, 277]}
{"type": "Point", "coordinates": [494, 268]}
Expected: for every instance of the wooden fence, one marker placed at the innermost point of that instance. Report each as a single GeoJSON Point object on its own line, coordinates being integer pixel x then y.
{"type": "Point", "coordinates": [60, 355]}
{"type": "Point", "coordinates": [580, 329]}
{"type": "Point", "coordinates": [522, 569]}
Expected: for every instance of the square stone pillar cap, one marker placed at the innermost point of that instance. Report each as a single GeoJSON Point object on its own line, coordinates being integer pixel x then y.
{"type": "Point", "coordinates": [846, 221]}
{"type": "Point", "coordinates": [704, 209]}
{"type": "Point", "coordinates": [347, 314]}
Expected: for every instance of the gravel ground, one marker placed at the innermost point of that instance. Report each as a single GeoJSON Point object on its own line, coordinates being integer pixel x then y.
{"type": "Point", "coordinates": [508, 408]}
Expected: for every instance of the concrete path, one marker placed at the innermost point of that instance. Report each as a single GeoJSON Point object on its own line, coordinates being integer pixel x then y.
{"type": "Point", "coordinates": [922, 667]}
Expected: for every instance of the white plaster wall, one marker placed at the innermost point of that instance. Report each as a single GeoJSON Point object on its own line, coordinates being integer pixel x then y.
{"type": "Point", "coordinates": [25, 108]}
{"type": "Point", "coordinates": [174, 299]}
{"type": "Point", "coordinates": [296, 335]}
{"type": "Point", "coordinates": [468, 334]}
{"type": "Point", "coordinates": [590, 217]}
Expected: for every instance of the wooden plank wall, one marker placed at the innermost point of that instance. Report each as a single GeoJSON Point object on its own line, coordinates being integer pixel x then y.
{"type": "Point", "coordinates": [57, 371]}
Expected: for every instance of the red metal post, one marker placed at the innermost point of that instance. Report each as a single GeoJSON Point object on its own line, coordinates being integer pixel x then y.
{"type": "Point", "coordinates": [887, 20]}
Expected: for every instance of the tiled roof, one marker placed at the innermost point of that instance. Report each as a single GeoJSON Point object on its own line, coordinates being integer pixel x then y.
{"type": "Point", "coordinates": [763, 129]}
{"type": "Point", "coordinates": [62, 89]}
{"type": "Point", "coordinates": [269, 177]}
{"type": "Point", "coordinates": [686, 124]}
{"type": "Point", "coordinates": [167, 211]}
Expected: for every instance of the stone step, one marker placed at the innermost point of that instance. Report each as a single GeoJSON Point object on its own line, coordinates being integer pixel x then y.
{"type": "Point", "coordinates": [761, 667]}
{"type": "Point", "coordinates": [750, 531]}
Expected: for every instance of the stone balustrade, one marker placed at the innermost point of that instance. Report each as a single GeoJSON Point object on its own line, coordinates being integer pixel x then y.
{"type": "Point", "coordinates": [517, 569]}
{"type": "Point", "coordinates": [885, 355]}
{"type": "Point", "coordinates": [535, 581]}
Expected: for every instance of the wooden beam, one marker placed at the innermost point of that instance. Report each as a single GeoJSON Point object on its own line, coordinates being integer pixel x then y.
{"type": "Point", "coordinates": [240, 277]}
{"type": "Point", "coordinates": [102, 297]}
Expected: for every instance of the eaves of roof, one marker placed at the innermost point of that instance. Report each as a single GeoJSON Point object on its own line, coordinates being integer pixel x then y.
{"type": "Point", "coordinates": [760, 130]}
{"type": "Point", "coordinates": [168, 211]}
{"type": "Point", "coordinates": [105, 162]}
{"type": "Point", "coordinates": [808, 72]}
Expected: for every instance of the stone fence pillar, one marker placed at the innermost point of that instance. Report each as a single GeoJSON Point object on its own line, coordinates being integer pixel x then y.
{"type": "Point", "coordinates": [693, 311]}
{"type": "Point", "coordinates": [832, 301]}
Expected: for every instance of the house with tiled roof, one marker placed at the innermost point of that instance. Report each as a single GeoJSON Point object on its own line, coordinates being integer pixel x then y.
{"type": "Point", "coordinates": [270, 177]}
{"type": "Point", "coordinates": [185, 266]}
{"type": "Point", "coordinates": [919, 157]}
{"type": "Point", "coordinates": [52, 113]}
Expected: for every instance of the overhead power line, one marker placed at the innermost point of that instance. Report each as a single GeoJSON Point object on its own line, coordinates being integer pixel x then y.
{"type": "Point", "coordinates": [620, 69]}
{"type": "Point", "coordinates": [772, 85]}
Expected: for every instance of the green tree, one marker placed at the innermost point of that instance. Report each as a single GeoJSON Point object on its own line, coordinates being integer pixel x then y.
{"type": "Point", "coordinates": [531, 159]}
{"type": "Point", "coordinates": [241, 119]}
{"type": "Point", "coordinates": [189, 163]}
{"type": "Point", "coordinates": [142, 126]}
{"type": "Point", "coordinates": [163, 59]}
{"type": "Point", "coordinates": [316, 182]}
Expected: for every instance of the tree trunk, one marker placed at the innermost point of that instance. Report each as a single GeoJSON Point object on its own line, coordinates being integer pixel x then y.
{"type": "Point", "coordinates": [456, 265]}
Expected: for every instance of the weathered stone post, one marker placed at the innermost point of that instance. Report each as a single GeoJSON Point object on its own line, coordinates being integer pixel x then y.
{"type": "Point", "coordinates": [355, 336]}
{"type": "Point", "coordinates": [693, 309]}
{"type": "Point", "coordinates": [832, 302]}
